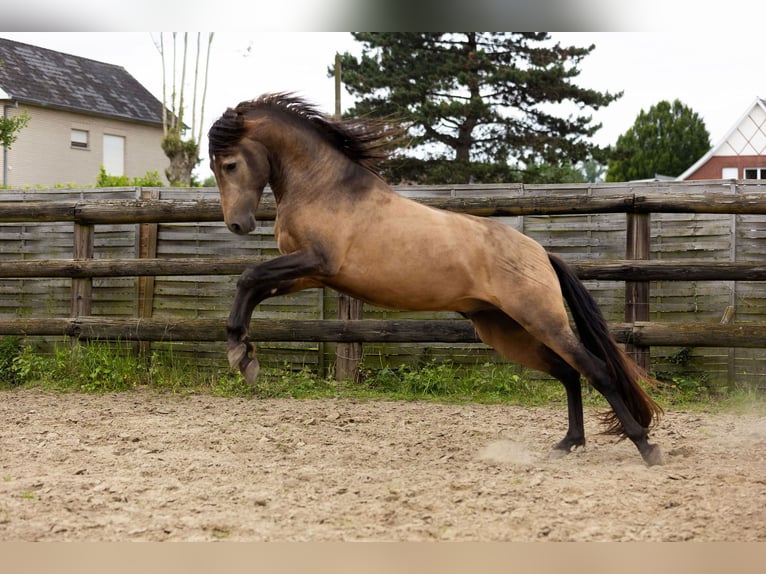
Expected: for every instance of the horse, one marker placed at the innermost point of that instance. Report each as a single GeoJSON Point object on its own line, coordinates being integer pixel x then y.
{"type": "Point", "coordinates": [340, 225]}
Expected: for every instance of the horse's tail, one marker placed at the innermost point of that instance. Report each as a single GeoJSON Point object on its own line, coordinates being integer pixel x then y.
{"type": "Point", "coordinates": [594, 334]}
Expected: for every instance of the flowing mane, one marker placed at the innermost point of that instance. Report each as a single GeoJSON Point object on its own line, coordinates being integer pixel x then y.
{"type": "Point", "coordinates": [361, 141]}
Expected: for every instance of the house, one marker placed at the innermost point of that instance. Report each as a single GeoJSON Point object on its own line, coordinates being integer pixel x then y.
{"type": "Point", "coordinates": [82, 114]}
{"type": "Point", "coordinates": [741, 154]}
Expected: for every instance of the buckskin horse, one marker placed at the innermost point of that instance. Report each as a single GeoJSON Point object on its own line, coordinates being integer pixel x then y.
{"type": "Point", "coordinates": [340, 225]}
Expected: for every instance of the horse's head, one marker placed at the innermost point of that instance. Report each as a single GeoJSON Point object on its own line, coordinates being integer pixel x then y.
{"type": "Point", "coordinates": [243, 166]}
{"type": "Point", "coordinates": [241, 169]}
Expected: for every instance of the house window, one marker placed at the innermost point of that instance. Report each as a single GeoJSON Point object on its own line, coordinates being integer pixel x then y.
{"type": "Point", "coordinates": [79, 139]}
{"type": "Point", "coordinates": [730, 173]}
{"type": "Point", "coordinates": [755, 173]}
{"type": "Point", "coordinates": [114, 154]}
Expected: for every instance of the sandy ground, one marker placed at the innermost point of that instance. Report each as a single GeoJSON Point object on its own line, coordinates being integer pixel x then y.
{"type": "Point", "coordinates": [141, 466]}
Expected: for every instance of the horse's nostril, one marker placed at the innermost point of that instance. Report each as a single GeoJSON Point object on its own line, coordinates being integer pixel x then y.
{"type": "Point", "coordinates": [243, 226]}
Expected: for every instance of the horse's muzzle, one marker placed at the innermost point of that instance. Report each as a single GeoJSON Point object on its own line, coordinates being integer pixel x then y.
{"type": "Point", "coordinates": [242, 227]}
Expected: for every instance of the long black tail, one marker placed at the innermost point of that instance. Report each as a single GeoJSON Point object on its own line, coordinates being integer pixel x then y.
{"type": "Point", "coordinates": [594, 334]}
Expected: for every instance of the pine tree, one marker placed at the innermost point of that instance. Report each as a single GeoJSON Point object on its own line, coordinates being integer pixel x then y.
{"type": "Point", "coordinates": [479, 106]}
{"type": "Point", "coordinates": [666, 140]}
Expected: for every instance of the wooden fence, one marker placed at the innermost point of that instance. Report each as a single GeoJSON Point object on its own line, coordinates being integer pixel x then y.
{"type": "Point", "coordinates": [160, 267]}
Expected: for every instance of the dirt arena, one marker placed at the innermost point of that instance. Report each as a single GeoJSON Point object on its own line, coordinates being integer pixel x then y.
{"type": "Point", "coordinates": [142, 466]}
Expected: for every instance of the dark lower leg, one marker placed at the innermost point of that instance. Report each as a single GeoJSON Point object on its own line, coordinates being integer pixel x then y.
{"type": "Point", "coordinates": [651, 453]}
{"type": "Point", "coordinates": [275, 277]}
{"type": "Point", "coordinates": [240, 351]}
{"type": "Point", "coordinates": [576, 432]}
{"type": "Point", "coordinates": [633, 430]}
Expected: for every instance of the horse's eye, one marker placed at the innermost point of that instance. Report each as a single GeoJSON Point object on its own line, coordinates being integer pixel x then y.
{"type": "Point", "coordinates": [230, 166]}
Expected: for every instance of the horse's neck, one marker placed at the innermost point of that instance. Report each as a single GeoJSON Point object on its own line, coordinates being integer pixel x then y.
{"type": "Point", "coordinates": [313, 174]}
{"type": "Point", "coordinates": [295, 161]}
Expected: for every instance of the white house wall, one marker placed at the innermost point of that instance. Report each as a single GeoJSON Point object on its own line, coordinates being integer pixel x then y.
{"type": "Point", "coordinates": [43, 156]}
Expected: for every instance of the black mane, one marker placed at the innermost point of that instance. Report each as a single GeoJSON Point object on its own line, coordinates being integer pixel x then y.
{"type": "Point", "coordinates": [361, 141]}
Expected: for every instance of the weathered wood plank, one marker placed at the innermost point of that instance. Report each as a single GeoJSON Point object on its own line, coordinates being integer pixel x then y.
{"type": "Point", "coordinates": [746, 335]}
{"type": "Point", "coordinates": [605, 270]}
{"type": "Point", "coordinates": [82, 288]}
{"type": "Point", "coordinates": [670, 270]}
{"type": "Point", "coordinates": [637, 292]}
{"type": "Point", "coordinates": [708, 334]}
{"type": "Point", "coordinates": [205, 210]}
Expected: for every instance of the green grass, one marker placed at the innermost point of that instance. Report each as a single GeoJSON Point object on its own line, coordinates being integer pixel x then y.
{"type": "Point", "coordinates": [101, 367]}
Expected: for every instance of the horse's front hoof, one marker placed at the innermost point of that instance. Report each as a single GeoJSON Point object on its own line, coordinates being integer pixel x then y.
{"type": "Point", "coordinates": [239, 358]}
{"type": "Point", "coordinates": [236, 355]}
{"type": "Point", "coordinates": [251, 370]}
{"type": "Point", "coordinates": [653, 456]}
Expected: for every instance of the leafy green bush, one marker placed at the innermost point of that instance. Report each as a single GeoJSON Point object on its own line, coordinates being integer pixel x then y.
{"type": "Point", "coordinates": [150, 179]}
{"type": "Point", "coordinates": [10, 347]}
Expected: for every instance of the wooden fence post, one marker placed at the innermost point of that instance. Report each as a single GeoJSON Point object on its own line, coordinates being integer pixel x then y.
{"type": "Point", "coordinates": [348, 355]}
{"type": "Point", "coordinates": [637, 292]}
{"type": "Point", "coordinates": [147, 249]}
{"type": "Point", "coordinates": [82, 288]}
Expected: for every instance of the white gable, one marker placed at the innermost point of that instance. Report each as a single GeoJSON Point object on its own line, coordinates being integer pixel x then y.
{"type": "Point", "coordinates": [749, 136]}
{"type": "Point", "coordinates": [746, 137]}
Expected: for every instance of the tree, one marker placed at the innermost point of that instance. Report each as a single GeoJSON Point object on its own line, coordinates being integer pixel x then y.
{"type": "Point", "coordinates": [10, 128]}
{"type": "Point", "coordinates": [478, 105]}
{"type": "Point", "coordinates": [182, 150]}
{"type": "Point", "coordinates": [666, 140]}
{"type": "Point", "coordinates": [593, 171]}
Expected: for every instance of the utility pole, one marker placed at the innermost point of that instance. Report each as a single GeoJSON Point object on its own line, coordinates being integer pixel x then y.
{"type": "Point", "coordinates": [348, 356]}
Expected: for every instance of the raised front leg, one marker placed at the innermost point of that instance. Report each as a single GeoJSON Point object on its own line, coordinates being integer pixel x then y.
{"type": "Point", "coordinates": [279, 276]}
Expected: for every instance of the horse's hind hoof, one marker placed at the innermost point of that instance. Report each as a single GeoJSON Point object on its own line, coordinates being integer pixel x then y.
{"type": "Point", "coordinates": [653, 456]}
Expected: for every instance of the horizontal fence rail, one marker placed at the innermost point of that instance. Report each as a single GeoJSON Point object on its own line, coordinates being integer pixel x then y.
{"type": "Point", "coordinates": [665, 270]}
{"type": "Point", "coordinates": [174, 211]}
{"type": "Point", "coordinates": [364, 331]}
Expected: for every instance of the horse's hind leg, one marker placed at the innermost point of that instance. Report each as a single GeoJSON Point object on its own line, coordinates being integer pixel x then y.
{"type": "Point", "coordinates": [575, 436]}
{"type": "Point", "coordinates": [598, 373]}
{"type": "Point", "coordinates": [515, 343]}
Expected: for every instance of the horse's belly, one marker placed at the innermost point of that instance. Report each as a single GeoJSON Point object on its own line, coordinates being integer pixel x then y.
{"type": "Point", "coordinates": [414, 293]}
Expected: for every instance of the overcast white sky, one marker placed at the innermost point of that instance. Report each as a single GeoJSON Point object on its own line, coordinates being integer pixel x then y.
{"type": "Point", "coordinates": [716, 74]}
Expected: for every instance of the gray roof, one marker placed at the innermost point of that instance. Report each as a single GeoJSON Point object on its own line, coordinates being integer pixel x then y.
{"type": "Point", "coordinates": [38, 76]}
